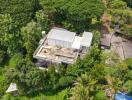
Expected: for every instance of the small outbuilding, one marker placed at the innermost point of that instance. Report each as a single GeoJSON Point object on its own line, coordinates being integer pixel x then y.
{"type": "Point", "coordinates": [12, 89]}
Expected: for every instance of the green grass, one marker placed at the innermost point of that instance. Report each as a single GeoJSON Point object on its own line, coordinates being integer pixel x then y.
{"type": "Point", "coordinates": [1, 74]}
{"type": "Point", "coordinates": [100, 96]}
{"type": "Point", "coordinates": [5, 65]}
{"type": "Point", "coordinates": [2, 78]}
{"type": "Point", "coordinates": [58, 96]}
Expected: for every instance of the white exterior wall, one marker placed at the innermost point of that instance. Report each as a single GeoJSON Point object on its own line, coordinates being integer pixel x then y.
{"type": "Point", "coordinates": [51, 42]}
{"type": "Point", "coordinates": [54, 42]}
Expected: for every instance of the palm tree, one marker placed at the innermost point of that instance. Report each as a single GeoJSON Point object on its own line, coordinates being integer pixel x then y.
{"type": "Point", "coordinates": [113, 84]}
{"type": "Point", "coordinates": [84, 88]}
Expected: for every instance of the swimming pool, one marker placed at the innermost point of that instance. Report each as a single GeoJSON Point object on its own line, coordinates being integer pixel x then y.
{"type": "Point", "coordinates": [122, 96]}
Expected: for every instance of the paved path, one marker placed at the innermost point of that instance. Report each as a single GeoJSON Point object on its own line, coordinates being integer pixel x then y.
{"type": "Point", "coordinates": [117, 46]}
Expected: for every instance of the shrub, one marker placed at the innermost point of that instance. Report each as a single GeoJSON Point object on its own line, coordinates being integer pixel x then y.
{"type": "Point", "coordinates": [65, 81]}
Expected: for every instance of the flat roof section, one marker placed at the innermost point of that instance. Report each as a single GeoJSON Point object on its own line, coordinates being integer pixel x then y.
{"type": "Point", "coordinates": [87, 39]}
{"type": "Point", "coordinates": [76, 42]}
{"type": "Point", "coordinates": [61, 34]}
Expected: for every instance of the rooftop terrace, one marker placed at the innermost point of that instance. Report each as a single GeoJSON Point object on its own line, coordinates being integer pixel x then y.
{"type": "Point", "coordinates": [56, 53]}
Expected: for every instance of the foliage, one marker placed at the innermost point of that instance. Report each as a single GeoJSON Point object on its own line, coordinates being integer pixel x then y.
{"type": "Point", "coordinates": [84, 87]}
{"type": "Point", "coordinates": [52, 77]}
{"type": "Point", "coordinates": [129, 3]}
{"type": "Point", "coordinates": [27, 77]}
{"type": "Point", "coordinates": [129, 63]}
{"type": "Point", "coordinates": [21, 11]}
{"type": "Point", "coordinates": [123, 74]}
{"type": "Point", "coordinates": [43, 20]}
{"type": "Point", "coordinates": [96, 37]}
{"type": "Point", "coordinates": [3, 86]}
{"type": "Point", "coordinates": [2, 56]}
{"type": "Point", "coordinates": [31, 34]}
{"type": "Point", "coordinates": [100, 96]}
{"type": "Point", "coordinates": [15, 60]}
{"type": "Point", "coordinates": [61, 69]}
{"type": "Point", "coordinates": [128, 84]}
{"type": "Point", "coordinates": [127, 30]}
{"type": "Point", "coordinates": [58, 96]}
{"type": "Point", "coordinates": [75, 69]}
{"type": "Point", "coordinates": [21, 26]}
{"type": "Point", "coordinates": [7, 35]}
{"type": "Point", "coordinates": [98, 72]}
{"type": "Point", "coordinates": [73, 13]}
{"type": "Point", "coordinates": [118, 4]}
{"type": "Point", "coordinates": [65, 81]}
{"type": "Point", "coordinates": [92, 57]}
{"type": "Point", "coordinates": [121, 71]}
{"type": "Point", "coordinates": [121, 16]}
{"type": "Point", "coordinates": [7, 97]}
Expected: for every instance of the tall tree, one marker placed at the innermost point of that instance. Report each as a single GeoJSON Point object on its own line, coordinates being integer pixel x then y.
{"type": "Point", "coordinates": [121, 17]}
{"type": "Point", "coordinates": [31, 34]}
{"type": "Point", "coordinates": [43, 20]}
{"type": "Point", "coordinates": [129, 3]}
{"type": "Point", "coordinates": [92, 57]}
{"type": "Point", "coordinates": [2, 56]}
{"type": "Point", "coordinates": [9, 40]}
{"type": "Point", "coordinates": [76, 13]}
{"type": "Point", "coordinates": [21, 11]}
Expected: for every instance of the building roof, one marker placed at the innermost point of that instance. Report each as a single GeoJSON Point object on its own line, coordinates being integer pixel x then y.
{"type": "Point", "coordinates": [61, 34]}
{"type": "Point", "coordinates": [127, 47]}
{"type": "Point", "coordinates": [12, 88]}
{"type": "Point", "coordinates": [87, 39]}
{"type": "Point", "coordinates": [76, 42]}
{"type": "Point", "coordinates": [105, 40]}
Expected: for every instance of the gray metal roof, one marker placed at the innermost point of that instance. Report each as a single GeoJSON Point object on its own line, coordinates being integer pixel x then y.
{"type": "Point", "coordinates": [106, 39]}
{"type": "Point", "coordinates": [61, 34]}
{"type": "Point", "coordinates": [87, 39]}
{"type": "Point", "coordinates": [127, 46]}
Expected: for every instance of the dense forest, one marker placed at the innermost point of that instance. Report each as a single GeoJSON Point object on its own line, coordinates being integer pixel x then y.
{"type": "Point", "coordinates": [21, 24]}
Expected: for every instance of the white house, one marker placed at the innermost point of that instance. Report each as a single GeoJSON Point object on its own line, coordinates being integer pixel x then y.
{"type": "Point", "coordinates": [61, 45]}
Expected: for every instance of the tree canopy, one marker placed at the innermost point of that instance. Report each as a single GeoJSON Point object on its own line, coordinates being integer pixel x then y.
{"type": "Point", "coordinates": [21, 11]}
{"type": "Point", "coordinates": [76, 13]}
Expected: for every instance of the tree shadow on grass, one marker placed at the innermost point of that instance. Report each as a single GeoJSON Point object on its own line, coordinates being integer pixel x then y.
{"type": "Point", "coordinates": [49, 92]}
{"type": "Point", "coordinates": [5, 62]}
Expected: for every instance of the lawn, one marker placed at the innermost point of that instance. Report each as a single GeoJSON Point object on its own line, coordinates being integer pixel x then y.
{"type": "Point", "coordinates": [58, 96]}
